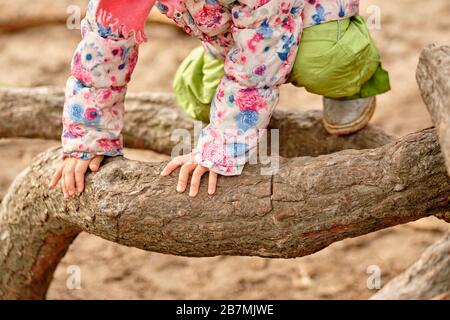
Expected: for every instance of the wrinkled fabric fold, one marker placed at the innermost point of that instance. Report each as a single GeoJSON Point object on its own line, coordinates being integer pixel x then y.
{"type": "Point", "coordinates": [95, 92]}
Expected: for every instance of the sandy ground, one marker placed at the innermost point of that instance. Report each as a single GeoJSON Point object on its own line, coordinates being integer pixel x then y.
{"type": "Point", "coordinates": [40, 56]}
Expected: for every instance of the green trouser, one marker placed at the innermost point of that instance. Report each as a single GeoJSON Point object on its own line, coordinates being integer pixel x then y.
{"type": "Point", "coordinates": [338, 60]}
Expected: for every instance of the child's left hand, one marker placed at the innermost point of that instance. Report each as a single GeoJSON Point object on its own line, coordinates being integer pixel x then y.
{"type": "Point", "coordinates": [189, 165]}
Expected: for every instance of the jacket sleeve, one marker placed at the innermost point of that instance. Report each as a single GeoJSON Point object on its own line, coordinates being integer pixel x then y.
{"type": "Point", "coordinates": [266, 35]}
{"type": "Point", "coordinates": [94, 103]}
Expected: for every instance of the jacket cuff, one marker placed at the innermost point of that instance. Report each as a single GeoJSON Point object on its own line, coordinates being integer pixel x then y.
{"type": "Point", "coordinates": [90, 155]}
{"type": "Point", "coordinates": [232, 170]}
{"type": "Point", "coordinates": [225, 151]}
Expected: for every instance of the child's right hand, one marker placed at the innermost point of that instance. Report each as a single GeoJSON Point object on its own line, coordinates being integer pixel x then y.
{"type": "Point", "coordinates": [71, 173]}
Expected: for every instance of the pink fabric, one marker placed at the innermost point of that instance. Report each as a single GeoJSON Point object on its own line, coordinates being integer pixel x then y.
{"type": "Point", "coordinates": [126, 16]}
{"type": "Point", "coordinates": [258, 40]}
{"type": "Point", "coordinates": [129, 16]}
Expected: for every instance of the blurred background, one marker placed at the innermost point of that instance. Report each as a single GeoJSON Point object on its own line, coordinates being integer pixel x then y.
{"type": "Point", "coordinates": [36, 49]}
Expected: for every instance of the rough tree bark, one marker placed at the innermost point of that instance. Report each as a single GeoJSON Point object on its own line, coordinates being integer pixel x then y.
{"type": "Point", "coordinates": [433, 77]}
{"type": "Point", "coordinates": [309, 203]}
{"type": "Point", "coordinates": [152, 117]}
{"type": "Point", "coordinates": [429, 277]}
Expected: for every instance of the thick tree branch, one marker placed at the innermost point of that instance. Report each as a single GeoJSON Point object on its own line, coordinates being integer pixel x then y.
{"type": "Point", "coordinates": [151, 119]}
{"type": "Point", "coordinates": [307, 205]}
{"type": "Point", "coordinates": [429, 277]}
{"type": "Point", "coordinates": [433, 77]}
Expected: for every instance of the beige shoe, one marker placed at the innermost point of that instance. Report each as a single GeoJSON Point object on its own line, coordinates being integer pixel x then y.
{"type": "Point", "coordinates": [344, 117]}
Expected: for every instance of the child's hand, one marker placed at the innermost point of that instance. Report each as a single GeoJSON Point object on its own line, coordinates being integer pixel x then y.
{"type": "Point", "coordinates": [71, 173]}
{"type": "Point", "coordinates": [189, 165]}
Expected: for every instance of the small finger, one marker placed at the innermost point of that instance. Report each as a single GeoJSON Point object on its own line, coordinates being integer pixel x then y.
{"type": "Point", "coordinates": [57, 176]}
{"type": "Point", "coordinates": [212, 182]}
{"type": "Point", "coordinates": [63, 186]}
{"type": "Point", "coordinates": [80, 171]}
{"type": "Point", "coordinates": [183, 177]}
{"type": "Point", "coordinates": [95, 163]}
{"type": "Point", "coordinates": [69, 176]}
{"type": "Point", "coordinates": [175, 163]}
{"type": "Point", "coordinates": [196, 179]}
{"type": "Point", "coordinates": [171, 166]}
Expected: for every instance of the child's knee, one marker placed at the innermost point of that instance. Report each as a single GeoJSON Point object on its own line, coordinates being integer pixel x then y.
{"type": "Point", "coordinates": [336, 59]}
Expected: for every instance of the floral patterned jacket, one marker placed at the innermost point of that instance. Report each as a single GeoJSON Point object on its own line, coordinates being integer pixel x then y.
{"type": "Point", "coordinates": [258, 39]}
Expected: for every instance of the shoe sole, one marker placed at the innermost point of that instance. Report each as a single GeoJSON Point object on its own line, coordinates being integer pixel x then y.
{"type": "Point", "coordinates": [354, 126]}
